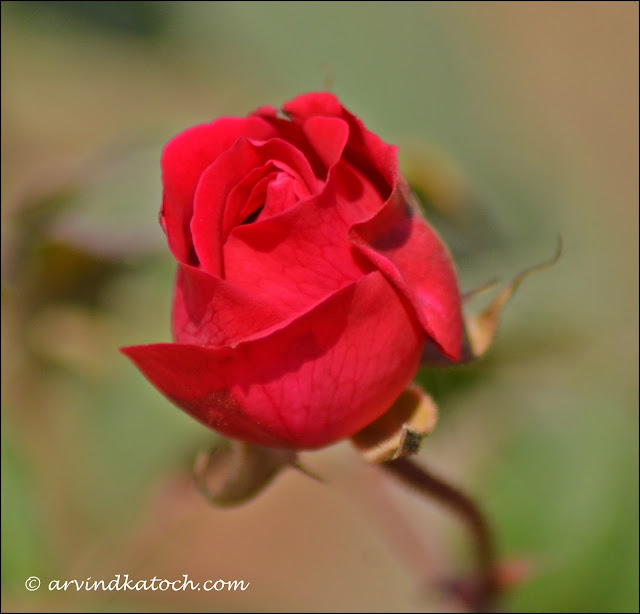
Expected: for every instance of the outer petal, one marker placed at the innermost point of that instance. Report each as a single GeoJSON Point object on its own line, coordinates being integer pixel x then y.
{"type": "Point", "coordinates": [192, 377]}
{"type": "Point", "coordinates": [209, 311]}
{"type": "Point", "coordinates": [412, 256]}
{"type": "Point", "coordinates": [184, 158]}
{"type": "Point", "coordinates": [314, 382]}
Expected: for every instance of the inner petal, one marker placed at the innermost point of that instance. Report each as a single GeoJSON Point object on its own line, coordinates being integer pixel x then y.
{"type": "Point", "coordinates": [252, 217]}
{"type": "Point", "coordinates": [265, 191]}
{"type": "Point", "coordinates": [282, 192]}
{"type": "Point", "coordinates": [207, 224]}
{"type": "Point", "coordinates": [247, 196]}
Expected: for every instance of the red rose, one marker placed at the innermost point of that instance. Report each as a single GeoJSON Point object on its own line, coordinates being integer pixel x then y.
{"type": "Point", "coordinates": [307, 282]}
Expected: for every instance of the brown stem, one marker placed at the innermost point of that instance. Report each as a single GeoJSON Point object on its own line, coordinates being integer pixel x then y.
{"type": "Point", "coordinates": [482, 595]}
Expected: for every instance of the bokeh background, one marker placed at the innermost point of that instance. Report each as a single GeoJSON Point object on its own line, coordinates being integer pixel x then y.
{"type": "Point", "coordinates": [516, 122]}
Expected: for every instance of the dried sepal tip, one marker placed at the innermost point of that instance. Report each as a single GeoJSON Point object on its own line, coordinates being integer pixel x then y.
{"type": "Point", "coordinates": [481, 328]}
{"type": "Point", "coordinates": [400, 431]}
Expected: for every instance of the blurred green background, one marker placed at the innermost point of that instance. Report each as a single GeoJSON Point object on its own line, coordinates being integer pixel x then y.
{"type": "Point", "coordinates": [516, 122]}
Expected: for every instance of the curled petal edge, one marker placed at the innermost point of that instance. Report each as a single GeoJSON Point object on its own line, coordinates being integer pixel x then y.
{"type": "Point", "coordinates": [409, 252]}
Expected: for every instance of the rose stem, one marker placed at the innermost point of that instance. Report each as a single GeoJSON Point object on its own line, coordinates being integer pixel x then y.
{"type": "Point", "coordinates": [485, 591]}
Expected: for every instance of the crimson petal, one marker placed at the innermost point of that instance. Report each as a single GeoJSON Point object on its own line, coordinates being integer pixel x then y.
{"type": "Point", "coordinates": [376, 159]}
{"type": "Point", "coordinates": [412, 256]}
{"type": "Point", "coordinates": [306, 385]}
{"type": "Point", "coordinates": [219, 179]}
{"type": "Point", "coordinates": [184, 159]}
{"type": "Point", "coordinates": [210, 311]}
{"type": "Point", "coordinates": [297, 258]}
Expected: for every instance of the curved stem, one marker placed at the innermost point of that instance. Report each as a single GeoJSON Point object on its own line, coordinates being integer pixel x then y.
{"type": "Point", "coordinates": [484, 591]}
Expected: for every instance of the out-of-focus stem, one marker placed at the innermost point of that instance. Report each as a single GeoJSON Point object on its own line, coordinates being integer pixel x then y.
{"type": "Point", "coordinates": [481, 595]}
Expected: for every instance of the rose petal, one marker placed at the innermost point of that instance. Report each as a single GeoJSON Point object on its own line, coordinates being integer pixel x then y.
{"type": "Point", "coordinates": [356, 198]}
{"type": "Point", "coordinates": [375, 159]}
{"type": "Point", "coordinates": [281, 195]}
{"type": "Point", "coordinates": [266, 111]}
{"type": "Point", "coordinates": [328, 136]}
{"type": "Point", "coordinates": [191, 377]}
{"type": "Point", "coordinates": [221, 177]}
{"type": "Point", "coordinates": [295, 259]}
{"type": "Point", "coordinates": [412, 256]}
{"type": "Point", "coordinates": [247, 196]}
{"type": "Point", "coordinates": [292, 133]}
{"type": "Point", "coordinates": [184, 158]}
{"type": "Point", "coordinates": [307, 385]}
{"type": "Point", "coordinates": [209, 311]}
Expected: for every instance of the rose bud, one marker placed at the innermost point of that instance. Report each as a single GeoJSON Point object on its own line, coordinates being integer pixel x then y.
{"type": "Point", "coordinates": [308, 283]}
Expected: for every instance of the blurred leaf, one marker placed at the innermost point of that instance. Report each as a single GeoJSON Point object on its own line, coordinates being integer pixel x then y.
{"type": "Point", "coordinates": [443, 383]}
{"type": "Point", "coordinates": [450, 203]}
{"type": "Point", "coordinates": [59, 272]}
{"type": "Point", "coordinates": [114, 211]}
{"type": "Point", "coordinates": [23, 544]}
{"type": "Point", "coordinates": [108, 206]}
{"type": "Point", "coordinates": [578, 528]}
{"type": "Point", "coordinates": [72, 337]}
{"type": "Point", "coordinates": [141, 19]}
{"type": "Point", "coordinates": [73, 234]}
